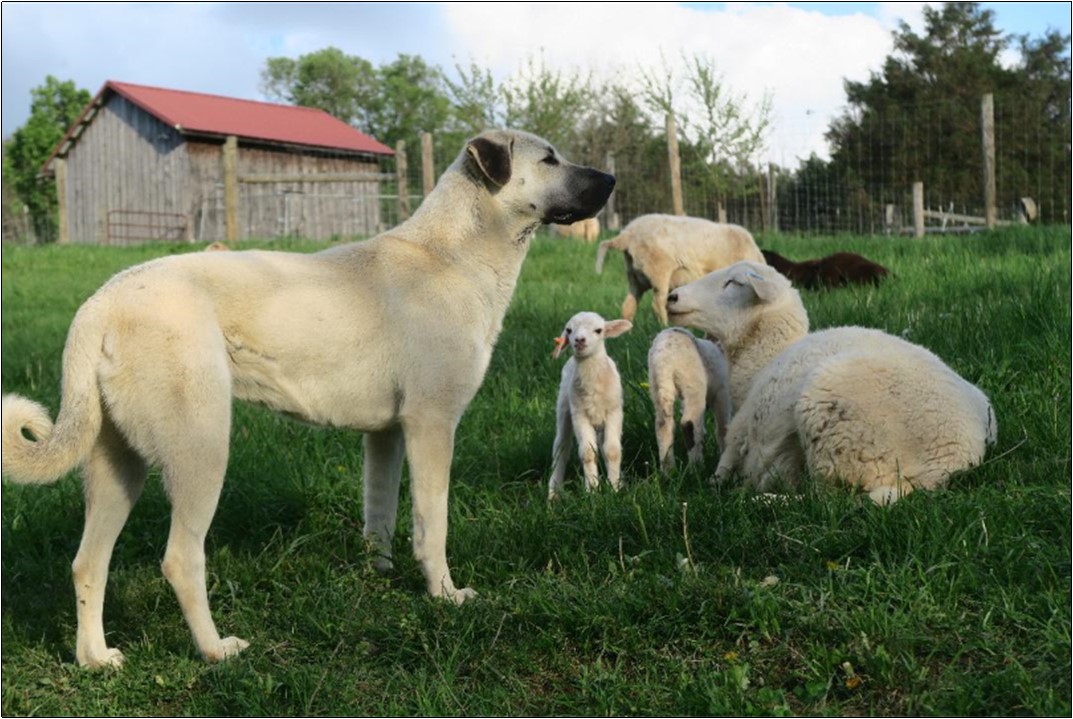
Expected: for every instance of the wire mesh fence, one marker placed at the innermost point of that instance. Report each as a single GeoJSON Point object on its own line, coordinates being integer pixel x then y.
{"type": "Point", "coordinates": [865, 186]}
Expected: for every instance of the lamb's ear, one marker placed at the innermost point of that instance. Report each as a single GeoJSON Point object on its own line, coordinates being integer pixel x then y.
{"type": "Point", "coordinates": [614, 328]}
{"type": "Point", "coordinates": [492, 158]}
{"type": "Point", "coordinates": [560, 344]}
{"type": "Point", "coordinates": [767, 290]}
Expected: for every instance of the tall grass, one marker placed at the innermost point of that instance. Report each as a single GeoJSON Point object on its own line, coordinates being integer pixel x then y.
{"type": "Point", "coordinates": [667, 598]}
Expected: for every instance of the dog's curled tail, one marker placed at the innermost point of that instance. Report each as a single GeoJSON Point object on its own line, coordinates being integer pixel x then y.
{"type": "Point", "coordinates": [55, 449]}
{"type": "Point", "coordinates": [616, 243]}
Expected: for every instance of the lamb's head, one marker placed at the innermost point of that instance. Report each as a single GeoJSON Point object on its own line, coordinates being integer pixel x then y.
{"type": "Point", "coordinates": [531, 179]}
{"type": "Point", "coordinates": [586, 332]}
{"type": "Point", "coordinates": [727, 302]}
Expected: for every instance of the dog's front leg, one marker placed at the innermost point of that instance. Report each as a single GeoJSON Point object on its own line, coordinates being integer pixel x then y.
{"type": "Point", "coordinates": [382, 472]}
{"type": "Point", "coordinates": [429, 448]}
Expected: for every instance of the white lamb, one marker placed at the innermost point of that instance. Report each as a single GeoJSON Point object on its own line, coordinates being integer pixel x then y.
{"type": "Point", "coordinates": [681, 366]}
{"type": "Point", "coordinates": [590, 401]}
{"type": "Point", "coordinates": [665, 251]}
{"type": "Point", "coordinates": [856, 404]}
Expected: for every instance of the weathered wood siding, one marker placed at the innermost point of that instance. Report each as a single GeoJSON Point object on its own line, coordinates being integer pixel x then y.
{"type": "Point", "coordinates": [315, 210]}
{"type": "Point", "coordinates": [125, 159]}
{"type": "Point", "coordinates": [128, 160]}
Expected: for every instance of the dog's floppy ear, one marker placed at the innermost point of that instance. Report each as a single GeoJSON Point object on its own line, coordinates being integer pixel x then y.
{"type": "Point", "coordinates": [492, 158]}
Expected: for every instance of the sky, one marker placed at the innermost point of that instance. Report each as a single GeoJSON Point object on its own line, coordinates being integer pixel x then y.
{"type": "Point", "coordinates": [798, 53]}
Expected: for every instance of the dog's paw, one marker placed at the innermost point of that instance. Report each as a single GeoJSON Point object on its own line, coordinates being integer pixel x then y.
{"type": "Point", "coordinates": [461, 595]}
{"type": "Point", "coordinates": [228, 647]}
{"type": "Point", "coordinates": [111, 659]}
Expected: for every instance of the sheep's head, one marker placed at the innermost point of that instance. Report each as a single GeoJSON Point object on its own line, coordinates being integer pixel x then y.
{"type": "Point", "coordinates": [585, 334]}
{"type": "Point", "coordinates": [725, 302]}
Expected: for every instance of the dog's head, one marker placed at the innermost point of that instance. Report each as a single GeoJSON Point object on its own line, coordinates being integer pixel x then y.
{"type": "Point", "coordinates": [530, 178]}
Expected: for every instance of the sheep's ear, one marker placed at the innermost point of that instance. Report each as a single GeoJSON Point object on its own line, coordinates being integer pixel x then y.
{"type": "Point", "coordinates": [492, 158]}
{"type": "Point", "coordinates": [767, 290]}
{"type": "Point", "coordinates": [614, 328]}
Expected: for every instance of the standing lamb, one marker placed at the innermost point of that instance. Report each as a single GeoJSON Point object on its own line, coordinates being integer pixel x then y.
{"type": "Point", "coordinates": [856, 404]}
{"type": "Point", "coordinates": [590, 400]}
{"type": "Point", "coordinates": [681, 366]}
{"type": "Point", "coordinates": [665, 251]}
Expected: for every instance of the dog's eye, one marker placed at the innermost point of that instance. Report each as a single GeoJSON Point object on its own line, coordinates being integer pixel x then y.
{"type": "Point", "coordinates": [550, 160]}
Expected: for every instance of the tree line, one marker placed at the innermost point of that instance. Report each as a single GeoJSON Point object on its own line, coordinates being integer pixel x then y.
{"type": "Point", "coordinates": [915, 119]}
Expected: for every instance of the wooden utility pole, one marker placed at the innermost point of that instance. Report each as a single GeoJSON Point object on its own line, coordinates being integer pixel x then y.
{"type": "Point", "coordinates": [675, 164]}
{"type": "Point", "coordinates": [918, 209]}
{"type": "Point", "coordinates": [61, 200]}
{"type": "Point", "coordinates": [987, 131]}
{"type": "Point", "coordinates": [428, 171]}
{"type": "Point", "coordinates": [400, 180]}
{"type": "Point", "coordinates": [230, 162]}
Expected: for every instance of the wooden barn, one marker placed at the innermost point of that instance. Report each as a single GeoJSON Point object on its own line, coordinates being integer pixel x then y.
{"type": "Point", "coordinates": [146, 164]}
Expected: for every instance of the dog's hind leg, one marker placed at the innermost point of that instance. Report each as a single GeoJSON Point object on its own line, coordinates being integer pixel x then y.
{"type": "Point", "coordinates": [114, 478]}
{"type": "Point", "coordinates": [382, 472]}
{"type": "Point", "coordinates": [429, 448]}
{"type": "Point", "coordinates": [193, 447]}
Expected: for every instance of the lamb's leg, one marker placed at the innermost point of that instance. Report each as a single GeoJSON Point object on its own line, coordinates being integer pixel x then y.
{"type": "Point", "coordinates": [693, 426]}
{"type": "Point", "coordinates": [731, 457]}
{"type": "Point", "coordinates": [720, 409]}
{"type": "Point", "coordinates": [663, 401]}
{"type": "Point", "coordinates": [588, 443]}
{"type": "Point", "coordinates": [382, 473]}
{"type": "Point", "coordinates": [429, 448]}
{"type": "Point", "coordinates": [560, 451]}
{"type": "Point", "coordinates": [613, 447]}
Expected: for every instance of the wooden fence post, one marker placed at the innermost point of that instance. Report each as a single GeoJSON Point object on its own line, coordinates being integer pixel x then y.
{"type": "Point", "coordinates": [609, 208]}
{"type": "Point", "coordinates": [401, 180]}
{"type": "Point", "coordinates": [918, 209]}
{"type": "Point", "coordinates": [61, 200]}
{"type": "Point", "coordinates": [428, 171]}
{"type": "Point", "coordinates": [987, 130]}
{"type": "Point", "coordinates": [772, 199]}
{"type": "Point", "coordinates": [230, 166]}
{"type": "Point", "coordinates": [675, 164]}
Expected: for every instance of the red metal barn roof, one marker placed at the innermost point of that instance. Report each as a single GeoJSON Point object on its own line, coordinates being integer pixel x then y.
{"type": "Point", "coordinates": [195, 113]}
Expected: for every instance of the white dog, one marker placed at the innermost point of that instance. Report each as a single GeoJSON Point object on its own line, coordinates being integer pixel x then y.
{"type": "Point", "coordinates": [391, 337]}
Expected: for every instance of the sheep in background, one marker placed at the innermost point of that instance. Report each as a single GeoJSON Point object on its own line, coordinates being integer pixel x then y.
{"type": "Point", "coordinates": [847, 403]}
{"type": "Point", "coordinates": [837, 270]}
{"type": "Point", "coordinates": [590, 400]}
{"type": "Point", "coordinates": [681, 366]}
{"type": "Point", "coordinates": [588, 230]}
{"type": "Point", "coordinates": [665, 251]}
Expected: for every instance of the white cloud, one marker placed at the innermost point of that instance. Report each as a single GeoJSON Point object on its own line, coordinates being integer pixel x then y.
{"type": "Point", "coordinates": [797, 55]}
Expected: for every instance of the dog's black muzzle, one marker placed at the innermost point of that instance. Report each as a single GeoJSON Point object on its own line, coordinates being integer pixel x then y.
{"type": "Point", "coordinates": [586, 194]}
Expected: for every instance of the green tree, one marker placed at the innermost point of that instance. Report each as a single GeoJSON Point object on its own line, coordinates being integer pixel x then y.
{"type": "Point", "coordinates": [54, 107]}
{"type": "Point", "coordinates": [410, 99]}
{"type": "Point", "coordinates": [342, 85]}
{"type": "Point", "coordinates": [919, 117]}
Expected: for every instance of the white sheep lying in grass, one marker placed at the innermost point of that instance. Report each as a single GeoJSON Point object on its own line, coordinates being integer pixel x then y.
{"type": "Point", "coordinates": [855, 404]}
{"type": "Point", "coordinates": [590, 400]}
{"type": "Point", "coordinates": [665, 251]}
{"type": "Point", "coordinates": [681, 366]}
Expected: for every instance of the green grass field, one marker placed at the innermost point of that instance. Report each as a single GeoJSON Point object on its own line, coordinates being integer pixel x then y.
{"type": "Point", "coordinates": [668, 598]}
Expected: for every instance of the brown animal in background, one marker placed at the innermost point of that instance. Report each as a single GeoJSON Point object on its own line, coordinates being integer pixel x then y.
{"type": "Point", "coordinates": [837, 270]}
